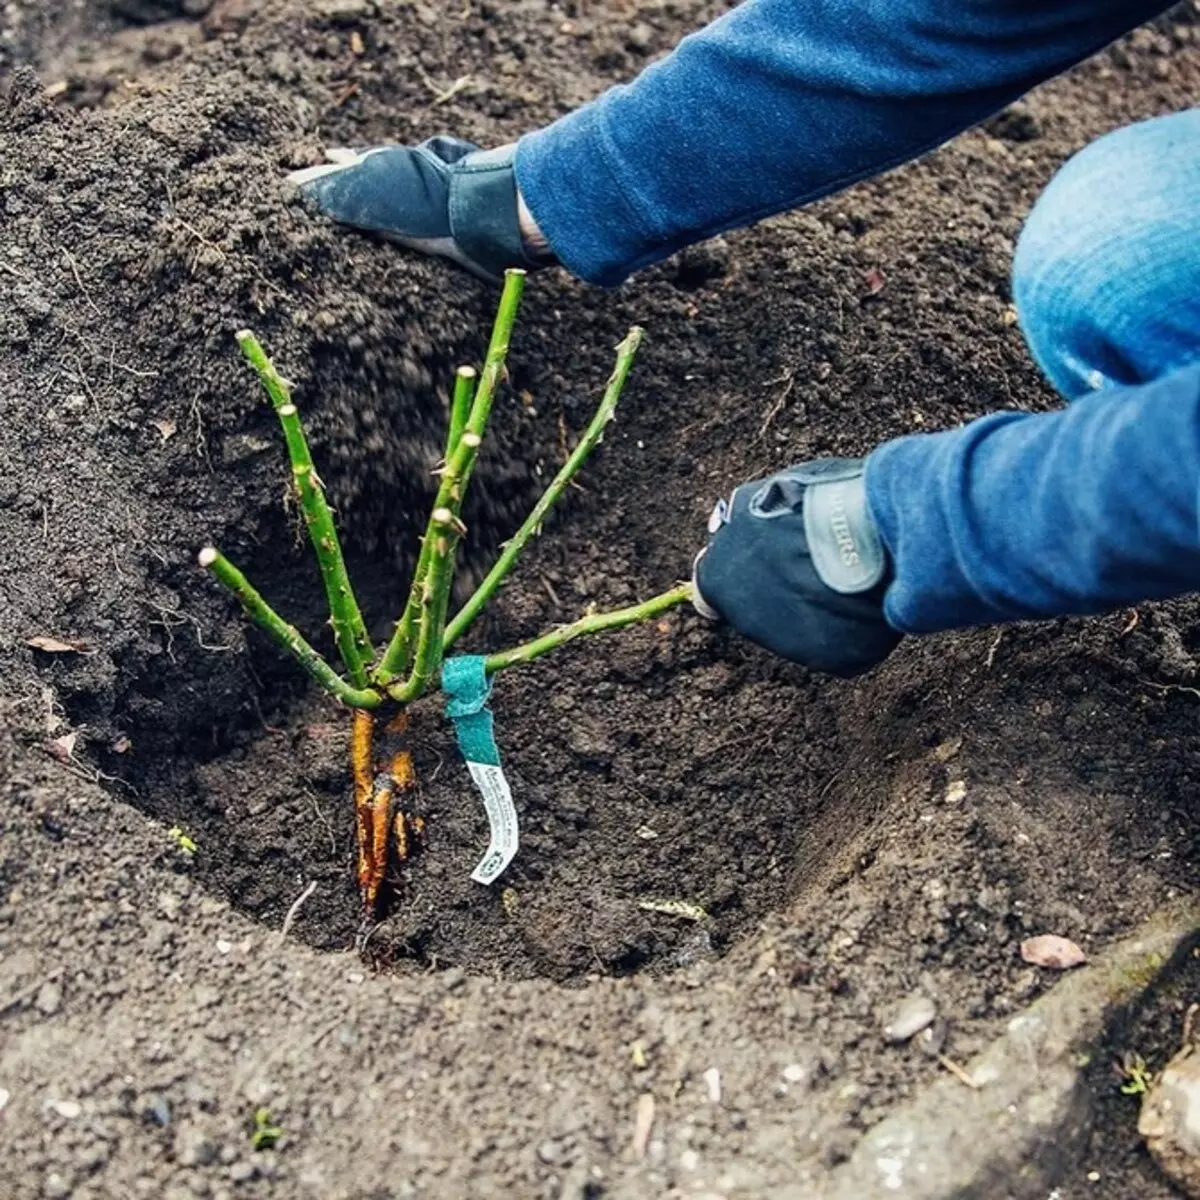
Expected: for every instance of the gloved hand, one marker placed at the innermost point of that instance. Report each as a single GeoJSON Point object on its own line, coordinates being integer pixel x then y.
{"type": "Point", "coordinates": [444, 196]}
{"type": "Point", "coordinates": [794, 562]}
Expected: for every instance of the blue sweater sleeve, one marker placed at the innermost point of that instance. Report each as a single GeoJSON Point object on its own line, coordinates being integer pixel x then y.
{"type": "Point", "coordinates": [1022, 515]}
{"type": "Point", "coordinates": [782, 101]}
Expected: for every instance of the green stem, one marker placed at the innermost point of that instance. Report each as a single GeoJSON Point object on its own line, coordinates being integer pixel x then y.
{"type": "Point", "coordinates": [455, 479]}
{"type": "Point", "coordinates": [533, 523]}
{"type": "Point", "coordinates": [435, 597]}
{"type": "Point", "coordinates": [349, 629]}
{"type": "Point", "coordinates": [285, 635]}
{"type": "Point", "coordinates": [594, 623]}
{"type": "Point", "coordinates": [460, 407]}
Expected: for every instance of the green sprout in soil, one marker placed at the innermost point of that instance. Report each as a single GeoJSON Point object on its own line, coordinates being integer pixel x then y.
{"type": "Point", "coordinates": [1136, 1075]}
{"type": "Point", "coordinates": [265, 1134]}
{"type": "Point", "coordinates": [379, 684]}
{"type": "Point", "coordinates": [183, 842]}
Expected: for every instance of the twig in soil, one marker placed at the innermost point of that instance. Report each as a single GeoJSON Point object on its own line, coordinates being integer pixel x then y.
{"type": "Point", "coordinates": [290, 917]}
{"type": "Point", "coordinates": [1189, 1021]}
{"type": "Point", "coordinates": [79, 283]}
{"type": "Point", "coordinates": [788, 379]}
{"type": "Point", "coordinates": [958, 1072]}
{"type": "Point", "coordinates": [991, 654]}
{"type": "Point", "coordinates": [442, 95]}
{"type": "Point", "coordinates": [643, 1124]}
{"type": "Point", "coordinates": [1171, 687]}
{"type": "Point", "coordinates": [533, 523]}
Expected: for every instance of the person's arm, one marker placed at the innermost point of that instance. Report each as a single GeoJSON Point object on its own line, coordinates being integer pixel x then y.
{"type": "Point", "coordinates": [775, 104]}
{"type": "Point", "coordinates": [1016, 516]}
{"type": "Point", "coordinates": [1027, 515]}
{"type": "Point", "coordinates": [781, 102]}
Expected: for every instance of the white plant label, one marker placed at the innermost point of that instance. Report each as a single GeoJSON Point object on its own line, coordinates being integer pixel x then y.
{"type": "Point", "coordinates": [502, 820]}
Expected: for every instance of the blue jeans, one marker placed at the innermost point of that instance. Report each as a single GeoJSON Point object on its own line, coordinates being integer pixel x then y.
{"type": "Point", "coordinates": [1097, 505]}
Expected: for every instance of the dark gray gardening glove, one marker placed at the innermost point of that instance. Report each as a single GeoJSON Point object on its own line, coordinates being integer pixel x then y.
{"type": "Point", "coordinates": [444, 196]}
{"type": "Point", "coordinates": [795, 563]}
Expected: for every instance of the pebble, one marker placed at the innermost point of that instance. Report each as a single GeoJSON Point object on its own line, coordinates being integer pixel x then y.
{"type": "Point", "coordinates": [242, 1171]}
{"type": "Point", "coordinates": [549, 1152]}
{"type": "Point", "coordinates": [69, 1110]}
{"type": "Point", "coordinates": [795, 1073]}
{"type": "Point", "coordinates": [193, 1149]}
{"type": "Point", "coordinates": [712, 1083]}
{"type": "Point", "coordinates": [49, 999]}
{"type": "Point", "coordinates": [932, 1040]}
{"type": "Point", "coordinates": [156, 1111]}
{"type": "Point", "coordinates": [55, 1187]}
{"type": "Point", "coordinates": [909, 1017]}
{"type": "Point", "coordinates": [5, 1097]}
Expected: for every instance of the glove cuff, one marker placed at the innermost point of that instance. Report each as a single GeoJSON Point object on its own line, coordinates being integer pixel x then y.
{"type": "Point", "coordinates": [483, 212]}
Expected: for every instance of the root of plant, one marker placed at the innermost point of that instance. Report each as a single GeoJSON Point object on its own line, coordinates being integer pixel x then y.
{"type": "Point", "coordinates": [379, 685]}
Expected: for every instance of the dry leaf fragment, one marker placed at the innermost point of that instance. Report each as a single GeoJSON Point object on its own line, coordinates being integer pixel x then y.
{"type": "Point", "coordinates": [166, 429]}
{"type": "Point", "coordinates": [1050, 950]}
{"type": "Point", "coordinates": [51, 645]}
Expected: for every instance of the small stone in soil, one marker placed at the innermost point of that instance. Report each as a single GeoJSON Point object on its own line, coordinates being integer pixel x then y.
{"type": "Point", "coordinates": [49, 999]}
{"type": "Point", "coordinates": [909, 1017]}
{"type": "Point", "coordinates": [156, 1111]}
{"type": "Point", "coordinates": [1050, 950]}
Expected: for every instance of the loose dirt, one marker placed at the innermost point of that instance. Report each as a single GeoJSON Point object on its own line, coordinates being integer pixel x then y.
{"type": "Point", "coordinates": [850, 841]}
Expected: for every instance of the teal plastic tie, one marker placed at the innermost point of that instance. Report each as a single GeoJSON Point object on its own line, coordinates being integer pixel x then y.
{"type": "Point", "coordinates": [467, 686]}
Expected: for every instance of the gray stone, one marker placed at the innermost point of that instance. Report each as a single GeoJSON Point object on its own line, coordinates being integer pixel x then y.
{"type": "Point", "coordinates": [156, 1110]}
{"type": "Point", "coordinates": [193, 1148]}
{"type": "Point", "coordinates": [909, 1017]}
{"type": "Point", "coordinates": [56, 1187]}
{"type": "Point", "coordinates": [242, 1171]}
{"type": "Point", "coordinates": [49, 999]}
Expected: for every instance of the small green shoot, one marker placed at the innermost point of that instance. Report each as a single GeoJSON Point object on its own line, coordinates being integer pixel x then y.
{"type": "Point", "coordinates": [1137, 1076]}
{"type": "Point", "coordinates": [185, 844]}
{"type": "Point", "coordinates": [265, 1134]}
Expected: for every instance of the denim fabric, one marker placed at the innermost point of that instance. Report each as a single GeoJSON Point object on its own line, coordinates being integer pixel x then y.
{"type": "Point", "coordinates": [782, 101]}
{"type": "Point", "coordinates": [1040, 514]}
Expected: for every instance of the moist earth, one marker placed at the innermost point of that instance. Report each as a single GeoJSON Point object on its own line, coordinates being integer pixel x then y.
{"type": "Point", "coordinates": [849, 842]}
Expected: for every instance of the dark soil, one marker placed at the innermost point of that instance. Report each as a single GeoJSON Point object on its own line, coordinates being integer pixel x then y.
{"type": "Point", "coordinates": [853, 840]}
